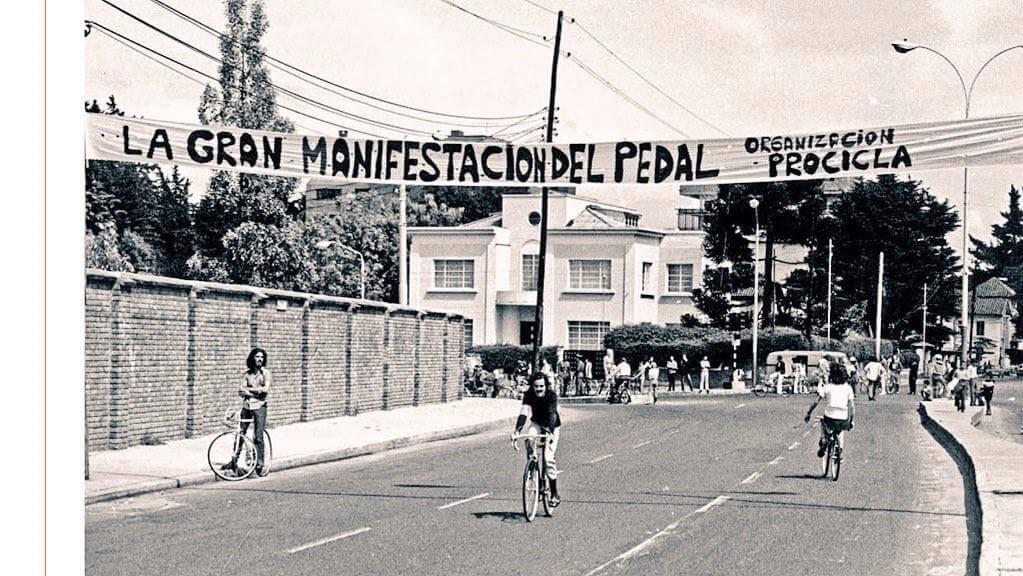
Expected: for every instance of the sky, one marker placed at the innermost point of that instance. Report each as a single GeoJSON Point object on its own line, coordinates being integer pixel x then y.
{"type": "Point", "coordinates": [737, 67]}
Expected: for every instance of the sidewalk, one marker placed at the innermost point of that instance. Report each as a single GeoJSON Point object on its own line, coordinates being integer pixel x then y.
{"type": "Point", "coordinates": [143, 469]}
{"type": "Point", "coordinates": [998, 467]}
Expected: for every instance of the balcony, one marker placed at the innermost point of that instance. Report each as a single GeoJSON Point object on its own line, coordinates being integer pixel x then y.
{"type": "Point", "coordinates": [690, 219]}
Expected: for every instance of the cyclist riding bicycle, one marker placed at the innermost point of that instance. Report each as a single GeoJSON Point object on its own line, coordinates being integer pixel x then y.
{"type": "Point", "coordinates": [540, 410]}
{"type": "Point", "coordinates": [839, 406]}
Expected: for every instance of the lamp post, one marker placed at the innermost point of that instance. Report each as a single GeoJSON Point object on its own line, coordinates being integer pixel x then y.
{"type": "Point", "coordinates": [907, 46]}
{"type": "Point", "coordinates": [754, 203]}
{"type": "Point", "coordinates": [325, 244]}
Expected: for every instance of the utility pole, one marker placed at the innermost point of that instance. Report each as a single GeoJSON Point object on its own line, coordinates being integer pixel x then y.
{"type": "Point", "coordinates": [542, 260]}
{"type": "Point", "coordinates": [877, 322]}
{"type": "Point", "coordinates": [830, 254]}
{"type": "Point", "coordinates": [923, 337]}
{"type": "Point", "coordinates": [402, 245]}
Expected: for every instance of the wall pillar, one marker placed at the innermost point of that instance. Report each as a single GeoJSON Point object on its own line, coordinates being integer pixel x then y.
{"type": "Point", "coordinates": [386, 376]}
{"type": "Point", "coordinates": [303, 410]}
{"type": "Point", "coordinates": [122, 370]}
{"type": "Point", "coordinates": [348, 359]}
{"type": "Point", "coordinates": [417, 373]}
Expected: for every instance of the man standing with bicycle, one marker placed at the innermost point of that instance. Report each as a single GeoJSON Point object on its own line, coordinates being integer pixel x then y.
{"type": "Point", "coordinates": [540, 410]}
{"type": "Point", "coordinates": [839, 406]}
{"type": "Point", "coordinates": [254, 390]}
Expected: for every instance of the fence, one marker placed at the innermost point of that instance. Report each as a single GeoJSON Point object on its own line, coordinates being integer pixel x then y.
{"type": "Point", "coordinates": [164, 357]}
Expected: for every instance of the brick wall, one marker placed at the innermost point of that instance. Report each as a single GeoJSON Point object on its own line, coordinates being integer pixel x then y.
{"type": "Point", "coordinates": [164, 357]}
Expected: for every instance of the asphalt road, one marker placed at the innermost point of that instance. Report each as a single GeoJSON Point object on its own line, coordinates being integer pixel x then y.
{"type": "Point", "coordinates": [710, 485]}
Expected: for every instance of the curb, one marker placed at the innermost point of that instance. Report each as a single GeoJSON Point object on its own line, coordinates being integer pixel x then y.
{"type": "Point", "coordinates": [205, 477]}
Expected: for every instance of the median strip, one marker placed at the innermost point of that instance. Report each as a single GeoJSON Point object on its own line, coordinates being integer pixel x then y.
{"type": "Point", "coordinates": [476, 497]}
{"type": "Point", "coordinates": [642, 444]}
{"type": "Point", "coordinates": [776, 460]}
{"type": "Point", "coordinates": [752, 478]}
{"type": "Point", "coordinates": [741, 405]}
{"type": "Point", "coordinates": [328, 540]}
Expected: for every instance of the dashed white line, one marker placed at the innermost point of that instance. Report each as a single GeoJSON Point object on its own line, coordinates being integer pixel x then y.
{"type": "Point", "coordinates": [794, 444]}
{"type": "Point", "coordinates": [328, 540]}
{"type": "Point", "coordinates": [642, 444]}
{"type": "Point", "coordinates": [775, 461]}
{"type": "Point", "coordinates": [752, 478]}
{"type": "Point", "coordinates": [602, 458]}
{"type": "Point", "coordinates": [741, 405]}
{"type": "Point", "coordinates": [805, 434]}
{"type": "Point", "coordinates": [711, 504]}
{"type": "Point", "coordinates": [476, 497]}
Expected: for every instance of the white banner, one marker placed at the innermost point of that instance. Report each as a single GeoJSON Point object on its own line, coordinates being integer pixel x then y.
{"type": "Point", "coordinates": [769, 157]}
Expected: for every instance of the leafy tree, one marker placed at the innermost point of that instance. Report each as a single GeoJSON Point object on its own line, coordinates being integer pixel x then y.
{"type": "Point", "coordinates": [244, 98]}
{"type": "Point", "coordinates": [475, 201]}
{"type": "Point", "coordinates": [788, 212]}
{"type": "Point", "coordinates": [909, 225]}
{"type": "Point", "coordinates": [1003, 256]}
{"type": "Point", "coordinates": [102, 249]}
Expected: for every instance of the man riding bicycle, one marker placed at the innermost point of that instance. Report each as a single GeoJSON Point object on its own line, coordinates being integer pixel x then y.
{"type": "Point", "coordinates": [540, 409]}
{"type": "Point", "coordinates": [839, 406]}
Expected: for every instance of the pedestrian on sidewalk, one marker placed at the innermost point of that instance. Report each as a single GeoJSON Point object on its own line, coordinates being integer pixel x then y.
{"type": "Point", "coordinates": [672, 367]}
{"type": "Point", "coordinates": [609, 371]}
{"type": "Point", "coordinates": [254, 390]}
{"type": "Point", "coordinates": [588, 368]}
{"type": "Point", "coordinates": [653, 375]}
{"type": "Point", "coordinates": [705, 375]}
{"type": "Point", "coordinates": [874, 370]}
{"type": "Point", "coordinates": [987, 391]}
{"type": "Point", "coordinates": [684, 368]}
{"type": "Point", "coordinates": [913, 361]}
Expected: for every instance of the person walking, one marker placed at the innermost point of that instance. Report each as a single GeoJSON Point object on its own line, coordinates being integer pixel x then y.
{"type": "Point", "coordinates": [609, 371]}
{"type": "Point", "coordinates": [653, 375]}
{"type": "Point", "coordinates": [874, 372]}
{"type": "Point", "coordinates": [684, 368]}
{"type": "Point", "coordinates": [705, 375]}
{"type": "Point", "coordinates": [938, 376]}
{"type": "Point", "coordinates": [913, 361]}
{"type": "Point", "coordinates": [987, 391]}
{"type": "Point", "coordinates": [588, 371]}
{"type": "Point", "coordinates": [672, 367]}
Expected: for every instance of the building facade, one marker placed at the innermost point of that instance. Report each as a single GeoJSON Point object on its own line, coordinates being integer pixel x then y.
{"type": "Point", "coordinates": [993, 311]}
{"type": "Point", "coordinates": [603, 269]}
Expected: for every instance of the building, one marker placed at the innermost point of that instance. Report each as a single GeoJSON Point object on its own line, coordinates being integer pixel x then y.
{"type": "Point", "coordinates": [992, 311]}
{"type": "Point", "coordinates": [604, 268]}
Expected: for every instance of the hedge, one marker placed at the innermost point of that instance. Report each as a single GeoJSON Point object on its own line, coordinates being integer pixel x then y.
{"type": "Point", "coordinates": [507, 356]}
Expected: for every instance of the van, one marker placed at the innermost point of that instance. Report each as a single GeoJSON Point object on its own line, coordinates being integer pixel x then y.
{"type": "Point", "coordinates": [809, 358]}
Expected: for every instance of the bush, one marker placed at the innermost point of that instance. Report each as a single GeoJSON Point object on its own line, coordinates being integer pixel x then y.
{"type": "Point", "coordinates": [506, 356]}
{"type": "Point", "coordinates": [862, 347]}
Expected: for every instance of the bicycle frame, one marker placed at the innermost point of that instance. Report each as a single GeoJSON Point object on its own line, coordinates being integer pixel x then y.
{"type": "Point", "coordinates": [536, 458]}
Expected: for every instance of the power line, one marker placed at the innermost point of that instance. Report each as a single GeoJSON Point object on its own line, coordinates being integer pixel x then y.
{"type": "Point", "coordinates": [651, 84]}
{"type": "Point", "coordinates": [201, 73]}
{"type": "Point", "coordinates": [278, 63]}
{"type": "Point", "coordinates": [316, 103]}
{"type": "Point", "coordinates": [523, 34]}
{"type": "Point", "coordinates": [624, 96]}
{"type": "Point", "coordinates": [547, 10]}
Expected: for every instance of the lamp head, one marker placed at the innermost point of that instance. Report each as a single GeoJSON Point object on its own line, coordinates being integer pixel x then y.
{"type": "Point", "coordinates": [753, 203]}
{"type": "Point", "coordinates": [904, 46]}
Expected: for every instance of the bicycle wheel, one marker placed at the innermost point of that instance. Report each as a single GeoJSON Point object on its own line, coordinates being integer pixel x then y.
{"type": "Point", "coordinates": [893, 386]}
{"type": "Point", "coordinates": [268, 452]}
{"type": "Point", "coordinates": [626, 397]}
{"type": "Point", "coordinates": [759, 390]}
{"type": "Point", "coordinates": [836, 462]}
{"type": "Point", "coordinates": [530, 490]}
{"type": "Point", "coordinates": [231, 456]}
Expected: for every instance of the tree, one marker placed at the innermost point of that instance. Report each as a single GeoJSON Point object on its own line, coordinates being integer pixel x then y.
{"type": "Point", "coordinates": [1003, 256]}
{"type": "Point", "coordinates": [788, 212]}
{"type": "Point", "coordinates": [243, 98]}
{"type": "Point", "coordinates": [909, 225]}
{"type": "Point", "coordinates": [149, 212]}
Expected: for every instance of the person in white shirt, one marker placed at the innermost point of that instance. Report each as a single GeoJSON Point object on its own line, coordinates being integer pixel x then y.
{"type": "Point", "coordinates": [705, 375]}
{"type": "Point", "coordinates": [823, 370]}
{"type": "Point", "coordinates": [839, 406]}
{"type": "Point", "coordinates": [873, 371]}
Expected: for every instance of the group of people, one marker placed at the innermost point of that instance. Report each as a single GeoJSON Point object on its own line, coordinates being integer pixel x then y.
{"type": "Point", "coordinates": [647, 375]}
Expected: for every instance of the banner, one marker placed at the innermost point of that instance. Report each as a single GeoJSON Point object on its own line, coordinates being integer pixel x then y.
{"type": "Point", "coordinates": [766, 157]}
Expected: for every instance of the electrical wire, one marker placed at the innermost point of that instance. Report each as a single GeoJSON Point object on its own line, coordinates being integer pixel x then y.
{"type": "Point", "coordinates": [651, 84]}
{"type": "Point", "coordinates": [278, 63]}
{"type": "Point", "coordinates": [624, 96]}
{"type": "Point", "coordinates": [548, 10]}
{"type": "Point", "coordinates": [513, 31]}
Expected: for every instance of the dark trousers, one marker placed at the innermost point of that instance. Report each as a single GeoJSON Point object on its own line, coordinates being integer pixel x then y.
{"type": "Point", "coordinates": [912, 379]}
{"type": "Point", "coordinates": [258, 417]}
{"type": "Point", "coordinates": [987, 392]}
{"type": "Point", "coordinates": [671, 380]}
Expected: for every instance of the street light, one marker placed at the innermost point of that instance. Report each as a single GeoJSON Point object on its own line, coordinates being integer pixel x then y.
{"type": "Point", "coordinates": [754, 203]}
{"type": "Point", "coordinates": [902, 48]}
{"type": "Point", "coordinates": [325, 244]}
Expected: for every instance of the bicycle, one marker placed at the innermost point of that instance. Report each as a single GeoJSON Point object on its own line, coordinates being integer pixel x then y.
{"type": "Point", "coordinates": [893, 384]}
{"type": "Point", "coordinates": [535, 487]}
{"type": "Point", "coordinates": [831, 461]}
{"type": "Point", "coordinates": [232, 454]}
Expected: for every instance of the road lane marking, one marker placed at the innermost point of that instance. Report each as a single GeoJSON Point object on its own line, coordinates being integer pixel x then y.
{"type": "Point", "coordinates": [741, 405]}
{"type": "Point", "coordinates": [476, 497]}
{"type": "Point", "coordinates": [602, 458]}
{"type": "Point", "coordinates": [752, 478]}
{"type": "Point", "coordinates": [642, 444]}
{"type": "Point", "coordinates": [776, 460]}
{"type": "Point", "coordinates": [711, 504]}
{"type": "Point", "coordinates": [794, 444]}
{"type": "Point", "coordinates": [328, 540]}
{"type": "Point", "coordinates": [805, 434]}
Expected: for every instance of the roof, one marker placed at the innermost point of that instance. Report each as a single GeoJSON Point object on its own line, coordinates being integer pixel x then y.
{"type": "Point", "coordinates": [994, 307]}
{"type": "Point", "coordinates": [995, 288]}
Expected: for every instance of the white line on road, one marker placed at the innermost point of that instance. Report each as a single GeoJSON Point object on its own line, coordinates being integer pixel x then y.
{"type": "Point", "coordinates": [794, 444]}
{"type": "Point", "coordinates": [805, 434]}
{"type": "Point", "coordinates": [476, 497]}
{"type": "Point", "coordinates": [711, 504]}
{"type": "Point", "coordinates": [741, 405]}
{"type": "Point", "coordinates": [328, 540]}
{"type": "Point", "coordinates": [776, 460]}
{"type": "Point", "coordinates": [642, 444]}
{"type": "Point", "coordinates": [752, 478]}
{"type": "Point", "coordinates": [602, 458]}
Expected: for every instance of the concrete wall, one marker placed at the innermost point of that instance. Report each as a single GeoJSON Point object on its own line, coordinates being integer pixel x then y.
{"type": "Point", "coordinates": [164, 357]}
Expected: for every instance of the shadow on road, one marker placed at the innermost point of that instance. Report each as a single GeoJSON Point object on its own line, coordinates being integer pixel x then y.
{"type": "Point", "coordinates": [503, 516]}
{"type": "Point", "coordinates": [800, 476]}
